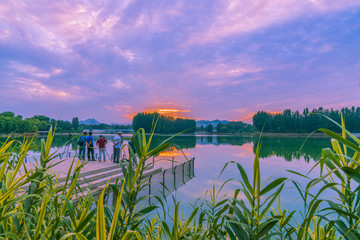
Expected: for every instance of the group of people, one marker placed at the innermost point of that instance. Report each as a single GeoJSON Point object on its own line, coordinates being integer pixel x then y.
{"type": "Point", "coordinates": [86, 142]}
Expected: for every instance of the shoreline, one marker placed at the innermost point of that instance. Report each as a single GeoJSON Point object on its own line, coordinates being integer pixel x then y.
{"type": "Point", "coordinates": [4, 135]}
{"type": "Point", "coordinates": [317, 134]}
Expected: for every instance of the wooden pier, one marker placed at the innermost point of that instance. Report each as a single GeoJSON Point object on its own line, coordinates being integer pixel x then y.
{"type": "Point", "coordinates": [93, 176]}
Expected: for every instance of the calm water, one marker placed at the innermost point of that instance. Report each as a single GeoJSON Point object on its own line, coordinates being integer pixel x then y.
{"type": "Point", "coordinates": [212, 152]}
{"type": "Point", "coordinates": [278, 154]}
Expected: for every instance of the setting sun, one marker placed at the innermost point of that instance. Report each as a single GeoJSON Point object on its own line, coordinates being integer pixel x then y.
{"type": "Point", "coordinates": [170, 112]}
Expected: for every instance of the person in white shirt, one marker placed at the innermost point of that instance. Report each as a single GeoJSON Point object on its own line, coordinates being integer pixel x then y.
{"type": "Point", "coordinates": [117, 147]}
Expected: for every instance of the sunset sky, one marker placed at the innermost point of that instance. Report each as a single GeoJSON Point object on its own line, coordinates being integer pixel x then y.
{"type": "Point", "coordinates": [200, 59]}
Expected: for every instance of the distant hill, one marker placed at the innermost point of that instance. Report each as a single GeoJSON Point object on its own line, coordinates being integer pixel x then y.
{"type": "Point", "coordinates": [90, 121]}
{"type": "Point", "coordinates": [207, 122]}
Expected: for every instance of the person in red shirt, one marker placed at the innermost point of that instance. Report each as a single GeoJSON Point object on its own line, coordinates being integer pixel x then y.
{"type": "Point", "coordinates": [101, 143]}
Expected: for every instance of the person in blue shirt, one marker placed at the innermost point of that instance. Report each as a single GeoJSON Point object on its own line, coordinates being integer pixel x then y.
{"type": "Point", "coordinates": [90, 147]}
{"type": "Point", "coordinates": [82, 146]}
{"type": "Point", "coordinates": [117, 142]}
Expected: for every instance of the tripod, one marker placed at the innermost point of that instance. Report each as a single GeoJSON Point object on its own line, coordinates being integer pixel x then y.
{"type": "Point", "coordinates": [108, 154]}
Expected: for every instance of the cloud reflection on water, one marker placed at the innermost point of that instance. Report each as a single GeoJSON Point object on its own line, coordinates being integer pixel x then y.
{"type": "Point", "coordinates": [212, 154]}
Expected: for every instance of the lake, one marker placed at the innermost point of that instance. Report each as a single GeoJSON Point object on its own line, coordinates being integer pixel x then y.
{"type": "Point", "coordinates": [212, 152]}
{"type": "Point", "coordinates": [277, 155]}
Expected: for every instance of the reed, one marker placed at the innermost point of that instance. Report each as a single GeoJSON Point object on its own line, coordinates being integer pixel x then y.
{"type": "Point", "coordinates": [33, 204]}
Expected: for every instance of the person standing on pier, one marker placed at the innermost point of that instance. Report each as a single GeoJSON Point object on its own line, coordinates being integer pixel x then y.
{"type": "Point", "coordinates": [117, 147]}
{"type": "Point", "coordinates": [82, 146]}
{"type": "Point", "coordinates": [101, 143]}
{"type": "Point", "coordinates": [90, 147]}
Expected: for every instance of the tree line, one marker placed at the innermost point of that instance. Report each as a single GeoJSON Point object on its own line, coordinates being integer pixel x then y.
{"type": "Point", "coordinates": [306, 122]}
{"type": "Point", "coordinates": [235, 127]}
{"type": "Point", "coordinates": [11, 123]}
{"type": "Point", "coordinates": [164, 124]}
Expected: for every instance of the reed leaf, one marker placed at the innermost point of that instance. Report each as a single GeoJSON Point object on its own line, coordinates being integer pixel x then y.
{"type": "Point", "coordinates": [100, 216]}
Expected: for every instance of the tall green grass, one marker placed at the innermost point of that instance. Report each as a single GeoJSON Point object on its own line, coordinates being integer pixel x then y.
{"type": "Point", "coordinates": [34, 205]}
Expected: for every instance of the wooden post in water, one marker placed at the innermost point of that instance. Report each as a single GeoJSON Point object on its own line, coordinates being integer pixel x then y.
{"type": "Point", "coordinates": [172, 164]}
{"type": "Point", "coordinates": [164, 182]}
{"type": "Point", "coordinates": [174, 172]}
{"type": "Point", "coordinates": [189, 169]}
{"type": "Point", "coordinates": [150, 189]}
{"type": "Point", "coordinates": [183, 172]}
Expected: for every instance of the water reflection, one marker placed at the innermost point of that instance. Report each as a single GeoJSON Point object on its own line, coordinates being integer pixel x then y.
{"type": "Point", "coordinates": [172, 152]}
{"type": "Point", "coordinates": [58, 142]}
{"type": "Point", "coordinates": [234, 140]}
{"type": "Point", "coordinates": [288, 148]}
{"type": "Point", "coordinates": [291, 148]}
{"type": "Point", "coordinates": [183, 141]}
{"type": "Point", "coordinates": [169, 180]}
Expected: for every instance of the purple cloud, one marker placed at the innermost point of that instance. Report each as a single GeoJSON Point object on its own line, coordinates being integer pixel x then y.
{"type": "Point", "coordinates": [227, 60]}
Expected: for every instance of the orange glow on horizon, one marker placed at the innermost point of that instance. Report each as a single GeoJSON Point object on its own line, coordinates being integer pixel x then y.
{"type": "Point", "coordinates": [248, 147]}
{"type": "Point", "coordinates": [179, 113]}
{"type": "Point", "coordinates": [247, 118]}
{"type": "Point", "coordinates": [169, 112]}
{"type": "Point", "coordinates": [130, 115]}
{"type": "Point", "coordinates": [172, 154]}
{"type": "Point", "coordinates": [276, 112]}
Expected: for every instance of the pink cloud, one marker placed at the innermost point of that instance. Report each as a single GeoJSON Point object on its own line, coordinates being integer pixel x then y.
{"type": "Point", "coordinates": [326, 48]}
{"type": "Point", "coordinates": [124, 109]}
{"type": "Point", "coordinates": [223, 71]}
{"type": "Point", "coordinates": [57, 27]}
{"type": "Point", "coordinates": [159, 18]}
{"type": "Point", "coordinates": [127, 54]}
{"type": "Point", "coordinates": [238, 17]}
{"type": "Point", "coordinates": [34, 71]}
{"type": "Point", "coordinates": [120, 84]}
{"type": "Point", "coordinates": [38, 90]}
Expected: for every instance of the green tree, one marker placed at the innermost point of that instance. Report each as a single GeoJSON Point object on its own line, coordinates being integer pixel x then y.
{"type": "Point", "coordinates": [218, 127]}
{"type": "Point", "coordinates": [164, 124]}
{"type": "Point", "coordinates": [42, 118]}
{"type": "Point", "coordinates": [75, 123]}
{"type": "Point", "coordinates": [294, 122]}
{"type": "Point", "coordinates": [209, 128]}
{"type": "Point", "coordinates": [7, 114]}
{"type": "Point", "coordinates": [235, 127]}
